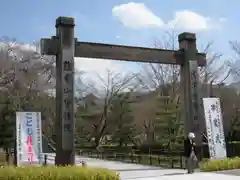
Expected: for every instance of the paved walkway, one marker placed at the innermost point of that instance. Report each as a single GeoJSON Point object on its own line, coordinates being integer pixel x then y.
{"type": "Point", "coordinates": [196, 176]}
{"type": "Point", "coordinates": [235, 172]}
{"type": "Point", "coordinates": [144, 172]}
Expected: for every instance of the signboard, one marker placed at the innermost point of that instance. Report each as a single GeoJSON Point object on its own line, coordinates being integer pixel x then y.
{"type": "Point", "coordinates": [214, 126]}
{"type": "Point", "coordinates": [29, 138]}
{"type": "Point", "coordinates": [67, 108]}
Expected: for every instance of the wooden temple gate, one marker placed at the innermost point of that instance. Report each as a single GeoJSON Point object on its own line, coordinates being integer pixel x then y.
{"type": "Point", "coordinates": [65, 47]}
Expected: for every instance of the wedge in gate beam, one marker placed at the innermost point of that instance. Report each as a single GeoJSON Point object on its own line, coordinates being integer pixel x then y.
{"type": "Point", "coordinates": [119, 52]}
{"type": "Point", "coordinates": [67, 103]}
{"type": "Point", "coordinates": [67, 127]}
{"type": "Point", "coordinates": [67, 116]}
{"type": "Point", "coordinates": [67, 78]}
{"type": "Point", "coordinates": [67, 90]}
{"type": "Point", "coordinates": [67, 66]}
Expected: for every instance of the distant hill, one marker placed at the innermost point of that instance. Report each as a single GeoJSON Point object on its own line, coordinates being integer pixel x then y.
{"type": "Point", "coordinates": [235, 85]}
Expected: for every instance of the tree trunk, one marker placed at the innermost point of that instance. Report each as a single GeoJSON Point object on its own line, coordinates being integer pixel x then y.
{"type": "Point", "coordinates": [7, 155]}
{"type": "Point", "coordinates": [121, 142]}
{"type": "Point", "coordinates": [15, 153]}
{"type": "Point", "coordinates": [97, 141]}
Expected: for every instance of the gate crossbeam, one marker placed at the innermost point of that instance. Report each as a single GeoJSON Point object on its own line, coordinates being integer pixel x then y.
{"type": "Point", "coordinates": [123, 53]}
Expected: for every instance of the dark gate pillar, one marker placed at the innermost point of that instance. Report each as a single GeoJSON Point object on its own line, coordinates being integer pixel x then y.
{"type": "Point", "coordinates": [189, 83]}
{"type": "Point", "coordinates": [65, 126]}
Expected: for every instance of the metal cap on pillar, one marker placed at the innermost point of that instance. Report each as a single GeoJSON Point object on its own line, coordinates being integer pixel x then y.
{"type": "Point", "coordinates": [65, 21]}
{"type": "Point", "coordinates": [186, 36]}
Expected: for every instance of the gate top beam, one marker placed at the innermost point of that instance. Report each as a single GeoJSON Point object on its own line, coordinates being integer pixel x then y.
{"type": "Point", "coordinates": [120, 52]}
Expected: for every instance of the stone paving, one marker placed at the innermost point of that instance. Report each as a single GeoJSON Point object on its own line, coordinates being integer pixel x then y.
{"type": "Point", "coordinates": [196, 176]}
{"type": "Point", "coordinates": [144, 172]}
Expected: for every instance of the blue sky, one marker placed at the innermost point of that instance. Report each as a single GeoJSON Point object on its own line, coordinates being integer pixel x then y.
{"type": "Point", "coordinates": [29, 20]}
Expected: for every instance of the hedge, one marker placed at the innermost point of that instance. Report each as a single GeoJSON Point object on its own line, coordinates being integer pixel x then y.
{"type": "Point", "coordinates": [234, 142]}
{"type": "Point", "coordinates": [158, 148]}
{"type": "Point", "coordinates": [219, 165]}
{"type": "Point", "coordinates": [233, 149]}
{"type": "Point", "coordinates": [56, 173]}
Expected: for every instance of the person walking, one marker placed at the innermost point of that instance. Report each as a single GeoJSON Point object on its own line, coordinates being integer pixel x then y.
{"type": "Point", "coordinates": [190, 152]}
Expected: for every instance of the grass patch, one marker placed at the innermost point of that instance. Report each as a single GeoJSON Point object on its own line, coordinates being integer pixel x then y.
{"type": "Point", "coordinates": [220, 165]}
{"type": "Point", "coordinates": [56, 173]}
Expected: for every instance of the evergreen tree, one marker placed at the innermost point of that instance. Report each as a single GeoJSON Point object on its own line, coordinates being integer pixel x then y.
{"type": "Point", "coordinates": [168, 126]}
{"type": "Point", "coordinates": [122, 119]}
{"type": "Point", "coordinates": [83, 129]}
{"type": "Point", "coordinates": [7, 125]}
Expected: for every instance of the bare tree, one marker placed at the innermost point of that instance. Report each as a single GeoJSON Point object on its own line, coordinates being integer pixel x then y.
{"type": "Point", "coordinates": [166, 78]}
{"type": "Point", "coordinates": [161, 78]}
{"type": "Point", "coordinates": [27, 80]}
{"type": "Point", "coordinates": [216, 72]}
{"type": "Point", "coordinates": [24, 76]}
{"type": "Point", "coordinates": [24, 71]}
{"type": "Point", "coordinates": [235, 63]}
{"type": "Point", "coordinates": [231, 104]}
{"type": "Point", "coordinates": [114, 84]}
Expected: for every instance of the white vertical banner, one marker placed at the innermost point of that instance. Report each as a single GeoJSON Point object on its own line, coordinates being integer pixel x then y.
{"type": "Point", "coordinates": [29, 138]}
{"type": "Point", "coordinates": [214, 126]}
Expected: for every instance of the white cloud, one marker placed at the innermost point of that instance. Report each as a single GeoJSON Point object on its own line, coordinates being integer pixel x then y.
{"type": "Point", "coordinates": [222, 19]}
{"type": "Point", "coordinates": [97, 66]}
{"type": "Point", "coordinates": [189, 20]}
{"type": "Point", "coordinates": [93, 68]}
{"type": "Point", "coordinates": [136, 15]}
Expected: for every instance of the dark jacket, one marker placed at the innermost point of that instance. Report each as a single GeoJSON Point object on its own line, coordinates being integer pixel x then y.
{"type": "Point", "coordinates": [188, 147]}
